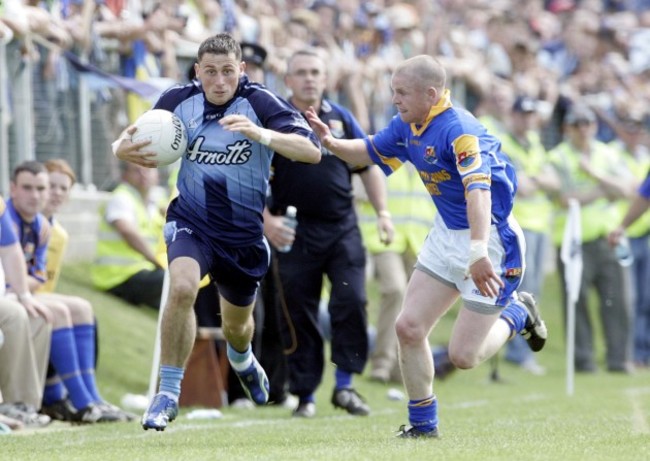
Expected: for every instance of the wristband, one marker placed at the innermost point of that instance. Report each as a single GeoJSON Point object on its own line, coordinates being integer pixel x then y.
{"type": "Point", "coordinates": [477, 250]}
{"type": "Point", "coordinates": [265, 137]}
{"type": "Point", "coordinates": [384, 214]}
{"type": "Point", "coordinates": [116, 144]}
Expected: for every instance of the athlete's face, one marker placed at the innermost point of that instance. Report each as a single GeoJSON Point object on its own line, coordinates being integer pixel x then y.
{"type": "Point", "coordinates": [219, 75]}
{"type": "Point", "coordinates": [29, 193]}
{"type": "Point", "coordinates": [60, 185]}
{"type": "Point", "coordinates": [412, 98]}
{"type": "Point", "coordinates": [306, 79]}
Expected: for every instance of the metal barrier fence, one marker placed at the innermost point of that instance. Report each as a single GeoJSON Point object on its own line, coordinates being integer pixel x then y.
{"type": "Point", "coordinates": [50, 112]}
{"type": "Point", "coordinates": [59, 112]}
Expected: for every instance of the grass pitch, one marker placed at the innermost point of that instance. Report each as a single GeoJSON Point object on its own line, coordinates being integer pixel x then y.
{"type": "Point", "coordinates": [522, 417]}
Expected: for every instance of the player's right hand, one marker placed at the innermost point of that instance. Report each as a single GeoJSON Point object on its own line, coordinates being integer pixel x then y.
{"type": "Point", "coordinates": [126, 150]}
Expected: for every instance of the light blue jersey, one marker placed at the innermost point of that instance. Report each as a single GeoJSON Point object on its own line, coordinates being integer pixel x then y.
{"type": "Point", "coordinates": [223, 177]}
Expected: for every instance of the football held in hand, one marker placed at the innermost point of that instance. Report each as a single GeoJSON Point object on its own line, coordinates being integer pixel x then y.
{"type": "Point", "coordinates": [166, 132]}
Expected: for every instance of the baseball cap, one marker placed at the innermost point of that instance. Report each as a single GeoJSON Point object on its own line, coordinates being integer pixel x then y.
{"type": "Point", "coordinates": [525, 104]}
{"type": "Point", "coordinates": [579, 113]}
{"type": "Point", "coordinates": [253, 53]}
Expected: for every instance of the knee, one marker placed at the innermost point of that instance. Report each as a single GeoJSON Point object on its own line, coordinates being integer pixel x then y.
{"type": "Point", "coordinates": [462, 359]}
{"type": "Point", "coordinates": [80, 309]}
{"type": "Point", "coordinates": [60, 312]}
{"type": "Point", "coordinates": [183, 292]}
{"type": "Point", "coordinates": [409, 331]}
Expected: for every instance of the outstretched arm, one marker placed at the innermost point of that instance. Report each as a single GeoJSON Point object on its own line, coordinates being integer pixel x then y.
{"type": "Point", "coordinates": [352, 151]}
{"type": "Point", "coordinates": [290, 145]}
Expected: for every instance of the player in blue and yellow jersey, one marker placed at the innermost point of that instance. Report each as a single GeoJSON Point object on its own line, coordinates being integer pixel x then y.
{"type": "Point", "coordinates": [215, 224]}
{"type": "Point", "coordinates": [475, 249]}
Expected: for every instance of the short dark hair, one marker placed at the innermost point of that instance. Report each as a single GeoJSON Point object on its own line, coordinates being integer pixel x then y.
{"type": "Point", "coordinates": [220, 44]}
{"type": "Point", "coordinates": [30, 166]}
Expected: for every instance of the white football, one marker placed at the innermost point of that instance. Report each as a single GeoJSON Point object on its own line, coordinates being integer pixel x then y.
{"type": "Point", "coordinates": [166, 132]}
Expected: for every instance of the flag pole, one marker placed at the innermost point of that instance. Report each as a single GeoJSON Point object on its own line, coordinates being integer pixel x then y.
{"type": "Point", "coordinates": [571, 256]}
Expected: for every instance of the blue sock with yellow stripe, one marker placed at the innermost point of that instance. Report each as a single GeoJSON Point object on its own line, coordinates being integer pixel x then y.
{"type": "Point", "coordinates": [515, 315]}
{"type": "Point", "coordinates": [423, 414]}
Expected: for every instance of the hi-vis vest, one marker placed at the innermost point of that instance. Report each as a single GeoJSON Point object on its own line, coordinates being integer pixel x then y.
{"type": "Point", "coordinates": [601, 216]}
{"type": "Point", "coordinates": [533, 213]}
{"type": "Point", "coordinates": [116, 261]}
{"type": "Point", "coordinates": [412, 210]}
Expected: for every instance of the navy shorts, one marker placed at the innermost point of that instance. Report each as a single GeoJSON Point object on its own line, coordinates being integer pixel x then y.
{"type": "Point", "coordinates": [237, 271]}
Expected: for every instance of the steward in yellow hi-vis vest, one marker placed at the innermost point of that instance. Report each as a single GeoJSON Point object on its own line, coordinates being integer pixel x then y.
{"type": "Point", "coordinates": [595, 174]}
{"type": "Point", "coordinates": [411, 209]}
{"type": "Point", "coordinates": [129, 231]}
{"type": "Point", "coordinates": [599, 217]}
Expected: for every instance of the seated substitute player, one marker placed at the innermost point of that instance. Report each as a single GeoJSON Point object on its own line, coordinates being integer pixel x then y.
{"type": "Point", "coordinates": [73, 329]}
{"type": "Point", "coordinates": [215, 224]}
{"type": "Point", "coordinates": [475, 249]}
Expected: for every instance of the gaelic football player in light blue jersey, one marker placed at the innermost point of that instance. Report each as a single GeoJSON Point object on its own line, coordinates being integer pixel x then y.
{"type": "Point", "coordinates": [215, 224]}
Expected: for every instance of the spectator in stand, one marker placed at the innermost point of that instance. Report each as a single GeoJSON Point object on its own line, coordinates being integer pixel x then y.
{"type": "Point", "coordinates": [131, 222]}
{"type": "Point", "coordinates": [254, 56]}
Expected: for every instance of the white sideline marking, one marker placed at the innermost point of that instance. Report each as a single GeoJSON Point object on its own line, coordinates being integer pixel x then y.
{"type": "Point", "coordinates": [639, 420]}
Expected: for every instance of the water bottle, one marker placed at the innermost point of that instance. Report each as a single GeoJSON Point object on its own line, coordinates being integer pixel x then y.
{"type": "Point", "coordinates": [289, 221]}
{"type": "Point", "coordinates": [623, 252]}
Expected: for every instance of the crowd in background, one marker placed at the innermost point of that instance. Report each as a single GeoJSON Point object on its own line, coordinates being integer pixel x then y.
{"type": "Point", "coordinates": [553, 51]}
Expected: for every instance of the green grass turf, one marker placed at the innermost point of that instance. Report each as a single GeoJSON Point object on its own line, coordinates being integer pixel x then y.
{"type": "Point", "coordinates": [523, 417]}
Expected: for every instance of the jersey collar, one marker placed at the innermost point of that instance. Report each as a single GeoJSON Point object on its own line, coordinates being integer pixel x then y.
{"type": "Point", "coordinates": [442, 105]}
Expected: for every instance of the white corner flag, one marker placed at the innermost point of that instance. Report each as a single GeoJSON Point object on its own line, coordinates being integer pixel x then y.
{"type": "Point", "coordinates": [571, 256]}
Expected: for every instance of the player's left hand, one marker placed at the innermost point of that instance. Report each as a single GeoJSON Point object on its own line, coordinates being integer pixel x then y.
{"type": "Point", "coordinates": [241, 124]}
{"type": "Point", "coordinates": [485, 279]}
